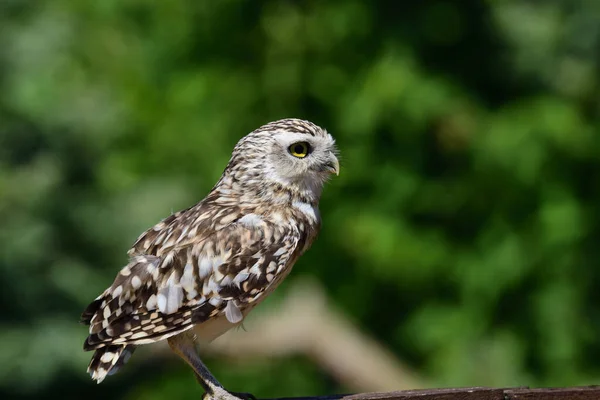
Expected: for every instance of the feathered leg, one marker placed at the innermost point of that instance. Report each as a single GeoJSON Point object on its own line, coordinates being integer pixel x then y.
{"type": "Point", "coordinates": [184, 346]}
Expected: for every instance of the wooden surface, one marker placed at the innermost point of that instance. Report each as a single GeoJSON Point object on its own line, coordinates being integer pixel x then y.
{"type": "Point", "coordinates": [475, 393]}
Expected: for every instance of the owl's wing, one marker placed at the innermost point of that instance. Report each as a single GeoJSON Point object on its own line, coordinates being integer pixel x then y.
{"type": "Point", "coordinates": [158, 296]}
{"type": "Point", "coordinates": [194, 224]}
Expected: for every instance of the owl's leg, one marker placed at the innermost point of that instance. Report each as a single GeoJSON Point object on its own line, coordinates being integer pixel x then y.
{"type": "Point", "coordinates": [184, 346]}
{"type": "Point", "coordinates": [232, 395]}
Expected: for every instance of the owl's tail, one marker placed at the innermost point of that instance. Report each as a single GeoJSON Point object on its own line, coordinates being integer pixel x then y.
{"type": "Point", "coordinates": [108, 359]}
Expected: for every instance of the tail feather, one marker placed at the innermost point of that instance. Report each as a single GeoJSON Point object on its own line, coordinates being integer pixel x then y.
{"type": "Point", "coordinates": [107, 360]}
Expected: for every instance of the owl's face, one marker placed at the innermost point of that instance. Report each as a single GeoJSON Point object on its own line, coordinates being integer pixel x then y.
{"type": "Point", "coordinates": [298, 156]}
{"type": "Point", "coordinates": [294, 153]}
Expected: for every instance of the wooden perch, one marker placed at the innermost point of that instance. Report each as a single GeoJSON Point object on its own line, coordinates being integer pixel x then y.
{"type": "Point", "coordinates": [475, 393]}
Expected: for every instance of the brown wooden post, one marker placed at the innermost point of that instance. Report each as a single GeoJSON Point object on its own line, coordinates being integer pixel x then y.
{"type": "Point", "coordinates": [474, 393]}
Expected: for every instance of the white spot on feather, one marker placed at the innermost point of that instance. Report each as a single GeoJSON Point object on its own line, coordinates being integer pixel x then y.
{"type": "Point", "coordinates": [187, 279]}
{"type": "Point", "coordinates": [99, 374]}
{"type": "Point", "coordinates": [280, 251]}
{"type": "Point", "coordinates": [307, 209]}
{"type": "Point", "coordinates": [169, 299]}
{"type": "Point", "coordinates": [118, 290]}
{"type": "Point", "coordinates": [151, 303]}
{"type": "Point", "coordinates": [204, 267]}
{"type": "Point", "coordinates": [161, 301]}
{"type": "Point", "coordinates": [256, 268]}
{"type": "Point", "coordinates": [240, 277]}
{"type": "Point", "coordinates": [136, 282]}
{"type": "Point", "coordinates": [168, 259]}
{"type": "Point", "coordinates": [138, 335]}
{"type": "Point", "coordinates": [277, 217]}
{"type": "Point", "coordinates": [251, 220]}
{"type": "Point", "coordinates": [107, 357]}
{"type": "Point", "coordinates": [233, 313]}
{"type": "Point", "coordinates": [150, 268]}
{"type": "Point", "coordinates": [226, 281]}
{"type": "Point", "coordinates": [215, 301]}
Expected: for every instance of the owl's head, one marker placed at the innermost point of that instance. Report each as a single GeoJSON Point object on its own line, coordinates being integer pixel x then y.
{"type": "Point", "coordinates": [293, 153]}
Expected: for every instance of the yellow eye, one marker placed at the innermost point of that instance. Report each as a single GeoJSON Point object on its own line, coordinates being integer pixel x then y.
{"type": "Point", "coordinates": [299, 149]}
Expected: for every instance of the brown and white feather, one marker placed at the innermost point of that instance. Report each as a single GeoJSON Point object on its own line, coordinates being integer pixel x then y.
{"type": "Point", "coordinates": [213, 261]}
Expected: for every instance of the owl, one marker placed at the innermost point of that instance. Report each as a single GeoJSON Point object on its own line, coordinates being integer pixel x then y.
{"type": "Point", "coordinates": [200, 271]}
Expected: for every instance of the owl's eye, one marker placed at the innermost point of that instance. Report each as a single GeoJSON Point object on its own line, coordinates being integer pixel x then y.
{"type": "Point", "coordinates": [300, 149]}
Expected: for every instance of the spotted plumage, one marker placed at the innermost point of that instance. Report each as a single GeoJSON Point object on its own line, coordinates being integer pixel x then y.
{"type": "Point", "coordinates": [206, 267]}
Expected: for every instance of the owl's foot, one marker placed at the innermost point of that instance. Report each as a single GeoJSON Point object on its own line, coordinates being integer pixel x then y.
{"type": "Point", "coordinates": [222, 394]}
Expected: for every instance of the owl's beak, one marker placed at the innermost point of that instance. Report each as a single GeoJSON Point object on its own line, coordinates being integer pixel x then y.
{"type": "Point", "coordinates": [333, 165]}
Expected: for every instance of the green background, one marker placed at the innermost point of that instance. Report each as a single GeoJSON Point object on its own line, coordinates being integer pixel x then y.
{"type": "Point", "coordinates": [462, 233]}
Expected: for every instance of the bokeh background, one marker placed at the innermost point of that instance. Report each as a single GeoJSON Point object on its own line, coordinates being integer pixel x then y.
{"type": "Point", "coordinates": [461, 237]}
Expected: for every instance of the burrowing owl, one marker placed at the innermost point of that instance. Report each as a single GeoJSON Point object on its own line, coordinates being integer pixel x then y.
{"type": "Point", "coordinates": [200, 271]}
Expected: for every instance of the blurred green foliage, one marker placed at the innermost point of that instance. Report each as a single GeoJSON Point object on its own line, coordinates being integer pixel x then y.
{"type": "Point", "coordinates": [462, 232]}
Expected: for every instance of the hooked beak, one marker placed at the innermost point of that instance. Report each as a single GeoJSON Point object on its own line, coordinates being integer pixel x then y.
{"type": "Point", "coordinates": [333, 165]}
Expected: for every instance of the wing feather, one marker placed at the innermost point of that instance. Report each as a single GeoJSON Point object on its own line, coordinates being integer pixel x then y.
{"type": "Point", "coordinates": [221, 272]}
